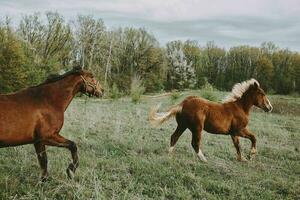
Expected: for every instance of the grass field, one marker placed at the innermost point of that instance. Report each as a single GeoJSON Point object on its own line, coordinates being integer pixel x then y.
{"type": "Point", "coordinates": [123, 157]}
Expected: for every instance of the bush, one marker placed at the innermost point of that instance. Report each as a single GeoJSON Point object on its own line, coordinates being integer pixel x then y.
{"type": "Point", "coordinates": [114, 93]}
{"type": "Point", "coordinates": [175, 95]}
{"type": "Point", "coordinates": [136, 89]}
{"type": "Point", "coordinates": [207, 86]}
{"type": "Point", "coordinates": [208, 91]}
{"type": "Point", "coordinates": [209, 95]}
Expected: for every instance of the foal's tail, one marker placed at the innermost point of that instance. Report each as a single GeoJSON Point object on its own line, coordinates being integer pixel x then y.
{"type": "Point", "coordinates": [157, 118]}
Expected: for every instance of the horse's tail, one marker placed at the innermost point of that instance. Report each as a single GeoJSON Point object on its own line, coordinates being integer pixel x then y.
{"type": "Point", "coordinates": [157, 118]}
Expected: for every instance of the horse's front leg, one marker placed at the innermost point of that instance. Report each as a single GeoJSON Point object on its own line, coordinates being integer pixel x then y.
{"type": "Point", "coordinates": [58, 140]}
{"type": "Point", "coordinates": [247, 134]}
{"type": "Point", "coordinates": [42, 157]}
{"type": "Point", "coordinates": [236, 142]}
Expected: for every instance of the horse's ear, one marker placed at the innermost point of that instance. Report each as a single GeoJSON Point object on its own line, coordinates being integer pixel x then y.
{"type": "Point", "coordinates": [255, 85]}
{"type": "Point", "coordinates": [77, 68]}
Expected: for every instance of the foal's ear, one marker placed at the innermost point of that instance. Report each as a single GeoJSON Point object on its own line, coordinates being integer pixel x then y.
{"type": "Point", "coordinates": [255, 85]}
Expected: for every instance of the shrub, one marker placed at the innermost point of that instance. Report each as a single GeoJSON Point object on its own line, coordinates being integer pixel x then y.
{"type": "Point", "coordinates": [136, 89]}
{"type": "Point", "coordinates": [208, 91]}
{"type": "Point", "coordinates": [175, 95]}
{"type": "Point", "coordinates": [114, 92]}
{"type": "Point", "coordinates": [209, 95]}
{"type": "Point", "coordinates": [207, 86]}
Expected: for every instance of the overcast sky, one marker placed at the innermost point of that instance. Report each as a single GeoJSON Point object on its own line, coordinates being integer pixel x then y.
{"type": "Point", "coordinates": [227, 22]}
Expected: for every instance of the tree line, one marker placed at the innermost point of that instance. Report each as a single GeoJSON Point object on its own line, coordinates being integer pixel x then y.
{"type": "Point", "coordinates": [45, 43]}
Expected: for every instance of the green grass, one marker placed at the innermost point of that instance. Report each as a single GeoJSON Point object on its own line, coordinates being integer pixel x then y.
{"type": "Point", "coordinates": [123, 157]}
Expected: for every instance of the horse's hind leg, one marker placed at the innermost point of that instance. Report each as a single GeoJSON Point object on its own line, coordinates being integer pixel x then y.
{"type": "Point", "coordinates": [58, 140]}
{"type": "Point", "coordinates": [196, 141]}
{"type": "Point", "coordinates": [175, 136]}
{"type": "Point", "coordinates": [42, 157]}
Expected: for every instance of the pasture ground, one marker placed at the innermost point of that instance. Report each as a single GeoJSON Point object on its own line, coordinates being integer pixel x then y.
{"type": "Point", "coordinates": [123, 157]}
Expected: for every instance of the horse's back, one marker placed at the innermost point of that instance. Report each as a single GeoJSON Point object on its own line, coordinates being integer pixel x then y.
{"type": "Point", "coordinates": [212, 116]}
{"type": "Point", "coordinates": [195, 104]}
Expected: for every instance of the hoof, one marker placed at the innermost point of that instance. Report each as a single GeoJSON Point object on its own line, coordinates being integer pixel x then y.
{"type": "Point", "coordinates": [171, 150]}
{"type": "Point", "coordinates": [242, 159]}
{"type": "Point", "coordinates": [44, 179]}
{"type": "Point", "coordinates": [201, 157]}
{"type": "Point", "coordinates": [70, 173]}
{"type": "Point", "coordinates": [71, 170]}
{"type": "Point", "coordinates": [251, 156]}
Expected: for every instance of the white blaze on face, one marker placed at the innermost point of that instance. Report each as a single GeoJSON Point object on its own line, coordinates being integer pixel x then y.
{"type": "Point", "coordinates": [269, 105]}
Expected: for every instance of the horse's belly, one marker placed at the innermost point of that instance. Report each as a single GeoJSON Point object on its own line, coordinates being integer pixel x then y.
{"type": "Point", "coordinates": [13, 140]}
{"type": "Point", "coordinates": [16, 129]}
{"type": "Point", "coordinates": [216, 127]}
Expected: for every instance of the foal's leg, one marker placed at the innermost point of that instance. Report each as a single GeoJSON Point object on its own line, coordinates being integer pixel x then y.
{"type": "Point", "coordinates": [247, 134]}
{"type": "Point", "coordinates": [175, 136]}
{"type": "Point", "coordinates": [196, 141]}
{"type": "Point", "coordinates": [42, 157]}
{"type": "Point", "coordinates": [59, 141]}
{"type": "Point", "coordinates": [236, 142]}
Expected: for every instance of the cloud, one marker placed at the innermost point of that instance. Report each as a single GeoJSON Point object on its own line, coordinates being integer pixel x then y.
{"type": "Point", "coordinates": [228, 22]}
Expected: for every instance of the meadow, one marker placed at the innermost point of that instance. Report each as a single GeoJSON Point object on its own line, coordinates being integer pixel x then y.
{"type": "Point", "coordinates": [123, 157]}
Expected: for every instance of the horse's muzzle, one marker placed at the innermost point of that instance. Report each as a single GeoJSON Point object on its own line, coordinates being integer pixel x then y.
{"type": "Point", "coordinates": [99, 94]}
{"type": "Point", "coordinates": [268, 108]}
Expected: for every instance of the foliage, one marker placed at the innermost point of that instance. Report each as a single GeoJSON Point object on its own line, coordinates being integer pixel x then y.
{"type": "Point", "coordinates": [175, 95]}
{"type": "Point", "coordinates": [209, 95]}
{"type": "Point", "coordinates": [181, 73]}
{"type": "Point", "coordinates": [43, 44]}
{"type": "Point", "coordinates": [12, 61]}
{"type": "Point", "coordinates": [136, 89]}
{"type": "Point", "coordinates": [207, 86]}
{"type": "Point", "coordinates": [114, 92]}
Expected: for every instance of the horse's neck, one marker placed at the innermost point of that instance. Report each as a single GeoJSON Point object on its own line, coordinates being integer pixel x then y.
{"type": "Point", "coordinates": [245, 103]}
{"type": "Point", "coordinates": [63, 91]}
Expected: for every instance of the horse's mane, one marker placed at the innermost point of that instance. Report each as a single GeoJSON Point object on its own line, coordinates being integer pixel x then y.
{"type": "Point", "coordinates": [56, 77]}
{"type": "Point", "coordinates": [239, 89]}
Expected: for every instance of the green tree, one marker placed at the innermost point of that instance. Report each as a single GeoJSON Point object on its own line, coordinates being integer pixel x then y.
{"type": "Point", "coordinates": [12, 59]}
{"type": "Point", "coordinates": [213, 64]}
{"type": "Point", "coordinates": [284, 74]}
{"type": "Point", "coordinates": [50, 41]}
{"type": "Point", "coordinates": [137, 52]}
{"type": "Point", "coordinates": [264, 72]}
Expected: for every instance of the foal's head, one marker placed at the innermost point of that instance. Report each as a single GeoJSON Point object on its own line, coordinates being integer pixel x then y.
{"type": "Point", "coordinates": [259, 97]}
{"type": "Point", "coordinates": [90, 85]}
{"type": "Point", "coordinates": [252, 93]}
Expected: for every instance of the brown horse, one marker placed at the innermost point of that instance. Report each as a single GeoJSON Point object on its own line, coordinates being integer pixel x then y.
{"type": "Point", "coordinates": [230, 117]}
{"type": "Point", "coordinates": [35, 115]}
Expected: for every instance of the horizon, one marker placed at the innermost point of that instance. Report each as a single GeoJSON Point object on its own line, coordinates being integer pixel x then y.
{"type": "Point", "coordinates": [231, 23]}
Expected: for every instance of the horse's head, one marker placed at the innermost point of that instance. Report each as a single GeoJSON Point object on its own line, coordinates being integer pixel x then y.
{"type": "Point", "coordinates": [260, 98]}
{"type": "Point", "coordinates": [91, 85]}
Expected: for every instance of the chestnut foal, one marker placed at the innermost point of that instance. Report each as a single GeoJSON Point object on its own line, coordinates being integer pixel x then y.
{"type": "Point", "coordinates": [230, 117]}
{"type": "Point", "coordinates": [35, 115]}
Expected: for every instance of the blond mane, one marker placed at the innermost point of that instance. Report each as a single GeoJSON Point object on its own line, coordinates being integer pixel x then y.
{"type": "Point", "coordinates": [238, 90]}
